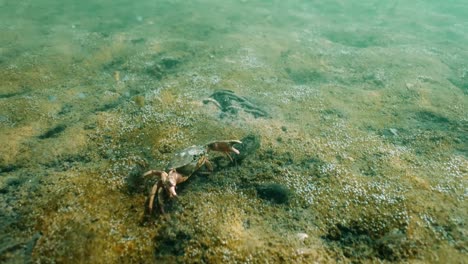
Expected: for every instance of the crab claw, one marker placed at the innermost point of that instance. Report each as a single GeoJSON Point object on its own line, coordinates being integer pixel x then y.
{"type": "Point", "coordinates": [233, 149]}
{"type": "Point", "coordinates": [173, 179]}
{"type": "Point", "coordinates": [172, 192]}
{"type": "Point", "coordinates": [225, 146]}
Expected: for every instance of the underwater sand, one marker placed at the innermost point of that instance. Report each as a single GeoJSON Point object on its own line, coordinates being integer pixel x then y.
{"type": "Point", "coordinates": [362, 157]}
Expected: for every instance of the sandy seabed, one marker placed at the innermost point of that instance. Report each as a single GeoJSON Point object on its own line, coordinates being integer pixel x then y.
{"type": "Point", "coordinates": [362, 157]}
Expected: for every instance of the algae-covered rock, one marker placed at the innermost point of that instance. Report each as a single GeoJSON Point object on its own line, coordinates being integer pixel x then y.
{"type": "Point", "coordinates": [273, 192]}
{"type": "Point", "coordinates": [250, 144]}
{"type": "Point", "coordinates": [228, 102]}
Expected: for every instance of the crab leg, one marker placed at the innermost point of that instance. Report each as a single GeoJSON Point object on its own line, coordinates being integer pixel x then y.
{"type": "Point", "coordinates": [155, 190]}
{"type": "Point", "coordinates": [153, 172]}
{"type": "Point", "coordinates": [208, 164]}
{"type": "Point", "coordinates": [153, 193]}
{"type": "Point", "coordinates": [225, 147]}
{"type": "Point", "coordinates": [160, 199]}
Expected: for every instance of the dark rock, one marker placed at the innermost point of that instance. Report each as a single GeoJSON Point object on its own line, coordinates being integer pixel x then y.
{"type": "Point", "coordinates": [359, 242]}
{"type": "Point", "coordinates": [53, 132]}
{"type": "Point", "coordinates": [8, 168]}
{"type": "Point", "coordinates": [163, 66]}
{"type": "Point", "coordinates": [304, 76]}
{"type": "Point", "coordinates": [249, 146]}
{"type": "Point", "coordinates": [273, 192]}
{"type": "Point", "coordinates": [230, 103]}
{"type": "Point", "coordinates": [169, 63]}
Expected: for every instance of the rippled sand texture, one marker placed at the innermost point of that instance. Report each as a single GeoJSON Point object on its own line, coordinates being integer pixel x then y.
{"type": "Point", "coordinates": [362, 158]}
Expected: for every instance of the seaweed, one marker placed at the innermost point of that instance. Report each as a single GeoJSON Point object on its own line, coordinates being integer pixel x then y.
{"type": "Point", "coordinates": [67, 108]}
{"type": "Point", "coordinates": [230, 103]}
{"type": "Point", "coordinates": [304, 76]}
{"type": "Point", "coordinates": [358, 243]}
{"type": "Point", "coordinates": [432, 117]}
{"type": "Point", "coordinates": [357, 39]}
{"type": "Point", "coordinates": [65, 162]}
{"type": "Point", "coordinates": [8, 95]}
{"type": "Point", "coordinates": [163, 66]}
{"type": "Point", "coordinates": [172, 240]}
{"type": "Point", "coordinates": [8, 168]}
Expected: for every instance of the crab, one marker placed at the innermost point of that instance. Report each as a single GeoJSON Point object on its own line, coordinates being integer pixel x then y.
{"type": "Point", "coordinates": [184, 164]}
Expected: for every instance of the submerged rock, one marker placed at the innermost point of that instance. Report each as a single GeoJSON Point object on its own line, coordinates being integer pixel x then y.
{"type": "Point", "coordinates": [302, 236]}
{"type": "Point", "coordinates": [249, 146]}
{"type": "Point", "coordinates": [273, 192]}
{"type": "Point", "coordinates": [231, 103]}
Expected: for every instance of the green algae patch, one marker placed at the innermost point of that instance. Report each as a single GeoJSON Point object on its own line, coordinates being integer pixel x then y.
{"type": "Point", "coordinates": [83, 220]}
{"type": "Point", "coordinates": [209, 231]}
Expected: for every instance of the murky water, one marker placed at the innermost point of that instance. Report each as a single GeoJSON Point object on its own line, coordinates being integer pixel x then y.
{"type": "Point", "coordinates": [353, 117]}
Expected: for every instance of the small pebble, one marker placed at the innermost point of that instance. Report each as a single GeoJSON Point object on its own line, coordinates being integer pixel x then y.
{"type": "Point", "coordinates": [393, 131]}
{"type": "Point", "coordinates": [117, 76]}
{"type": "Point", "coordinates": [302, 236]}
{"type": "Point", "coordinates": [82, 95]}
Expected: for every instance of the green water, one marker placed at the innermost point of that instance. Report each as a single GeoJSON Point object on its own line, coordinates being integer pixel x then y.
{"type": "Point", "coordinates": [355, 112]}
